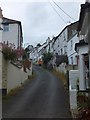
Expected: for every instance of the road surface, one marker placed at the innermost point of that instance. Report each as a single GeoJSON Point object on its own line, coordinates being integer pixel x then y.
{"type": "Point", "coordinates": [42, 97]}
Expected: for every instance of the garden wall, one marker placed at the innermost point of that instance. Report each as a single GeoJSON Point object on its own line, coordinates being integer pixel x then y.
{"type": "Point", "coordinates": [62, 68]}
{"type": "Point", "coordinates": [72, 67]}
{"type": "Point", "coordinates": [13, 76]}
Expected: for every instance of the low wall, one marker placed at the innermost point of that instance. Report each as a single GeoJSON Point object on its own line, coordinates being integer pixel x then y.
{"type": "Point", "coordinates": [16, 76]}
{"type": "Point", "coordinates": [13, 76]}
{"type": "Point", "coordinates": [72, 67]}
{"type": "Point", "coordinates": [62, 68]}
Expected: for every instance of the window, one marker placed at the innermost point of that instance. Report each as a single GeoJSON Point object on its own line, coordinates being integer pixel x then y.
{"type": "Point", "coordinates": [6, 28]}
{"type": "Point", "coordinates": [71, 60]}
{"type": "Point", "coordinates": [71, 44]}
{"type": "Point", "coordinates": [76, 59]}
{"type": "Point", "coordinates": [61, 51]}
{"type": "Point", "coordinates": [65, 49]}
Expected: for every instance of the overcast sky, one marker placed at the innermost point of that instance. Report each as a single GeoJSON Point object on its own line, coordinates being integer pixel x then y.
{"type": "Point", "coordinates": [39, 19]}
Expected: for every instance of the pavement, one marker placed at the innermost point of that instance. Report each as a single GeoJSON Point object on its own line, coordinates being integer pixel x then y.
{"type": "Point", "coordinates": [42, 97]}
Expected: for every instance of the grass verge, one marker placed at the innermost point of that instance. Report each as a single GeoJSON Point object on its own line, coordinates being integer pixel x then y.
{"type": "Point", "coordinates": [62, 76]}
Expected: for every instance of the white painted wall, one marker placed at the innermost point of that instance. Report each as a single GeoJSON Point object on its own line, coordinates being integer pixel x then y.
{"type": "Point", "coordinates": [82, 50]}
{"type": "Point", "coordinates": [55, 46]}
{"type": "Point", "coordinates": [12, 35]}
{"type": "Point", "coordinates": [71, 50]}
{"type": "Point", "coordinates": [73, 77]}
{"type": "Point", "coordinates": [0, 70]}
{"type": "Point", "coordinates": [15, 77]}
{"type": "Point", "coordinates": [62, 68]}
{"type": "Point", "coordinates": [60, 42]}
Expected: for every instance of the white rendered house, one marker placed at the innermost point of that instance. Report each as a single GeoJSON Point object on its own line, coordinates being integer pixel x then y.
{"type": "Point", "coordinates": [12, 32]}
{"type": "Point", "coordinates": [60, 42]}
{"type": "Point", "coordinates": [83, 47]}
{"type": "Point", "coordinates": [72, 54]}
{"type": "Point", "coordinates": [72, 39]}
{"type": "Point", "coordinates": [64, 43]}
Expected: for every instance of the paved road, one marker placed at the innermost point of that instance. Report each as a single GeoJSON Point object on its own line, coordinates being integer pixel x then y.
{"type": "Point", "coordinates": [43, 97]}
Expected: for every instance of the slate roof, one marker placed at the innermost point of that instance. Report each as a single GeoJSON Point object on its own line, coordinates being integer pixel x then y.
{"type": "Point", "coordinates": [63, 30]}
{"type": "Point", "coordinates": [9, 21]}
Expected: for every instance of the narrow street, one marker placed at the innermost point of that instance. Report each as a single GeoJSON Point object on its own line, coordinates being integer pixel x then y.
{"type": "Point", "coordinates": [42, 97]}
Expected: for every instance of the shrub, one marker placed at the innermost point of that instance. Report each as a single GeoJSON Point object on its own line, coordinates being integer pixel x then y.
{"type": "Point", "coordinates": [61, 59]}
{"type": "Point", "coordinates": [46, 58]}
{"type": "Point", "coordinates": [83, 114]}
{"type": "Point", "coordinates": [9, 53]}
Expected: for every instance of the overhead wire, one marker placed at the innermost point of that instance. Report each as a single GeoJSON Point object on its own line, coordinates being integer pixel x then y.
{"type": "Point", "coordinates": [57, 12]}
{"type": "Point", "coordinates": [63, 10]}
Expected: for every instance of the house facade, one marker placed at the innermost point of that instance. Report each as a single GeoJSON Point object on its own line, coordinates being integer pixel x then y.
{"type": "Point", "coordinates": [60, 42]}
{"type": "Point", "coordinates": [83, 46]}
{"type": "Point", "coordinates": [72, 39]}
{"type": "Point", "coordinates": [12, 32]}
{"type": "Point", "coordinates": [64, 43]}
{"type": "Point", "coordinates": [37, 52]}
{"type": "Point", "coordinates": [72, 54]}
